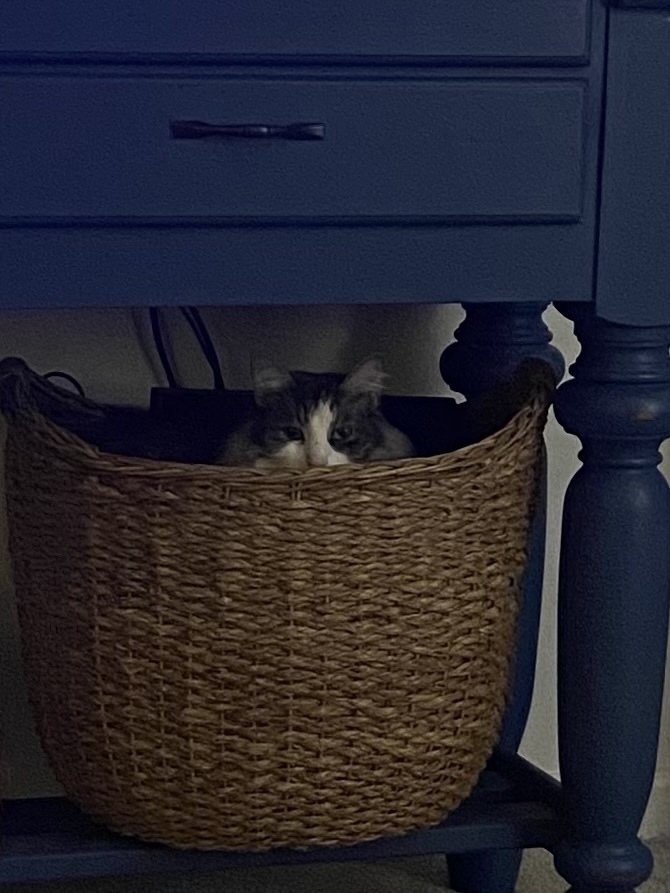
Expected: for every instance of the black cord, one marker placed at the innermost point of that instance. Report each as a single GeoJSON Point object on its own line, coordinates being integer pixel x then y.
{"type": "Point", "coordinates": [66, 377]}
{"type": "Point", "coordinates": [160, 347]}
{"type": "Point", "coordinates": [194, 319]}
{"type": "Point", "coordinates": [197, 324]}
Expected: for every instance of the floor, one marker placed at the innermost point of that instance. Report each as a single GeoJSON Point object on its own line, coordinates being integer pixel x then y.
{"type": "Point", "coordinates": [407, 876]}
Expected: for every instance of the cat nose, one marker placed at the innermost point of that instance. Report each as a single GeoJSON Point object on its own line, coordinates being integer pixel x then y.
{"type": "Point", "coordinates": [317, 458]}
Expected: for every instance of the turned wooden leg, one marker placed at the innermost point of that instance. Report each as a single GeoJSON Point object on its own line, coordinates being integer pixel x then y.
{"type": "Point", "coordinates": [491, 342]}
{"type": "Point", "coordinates": [613, 600]}
{"type": "Point", "coordinates": [494, 871]}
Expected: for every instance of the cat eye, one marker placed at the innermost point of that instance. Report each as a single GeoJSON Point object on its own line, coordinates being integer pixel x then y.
{"type": "Point", "coordinates": [291, 432]}
{"type": "Point", "coordinates": [342, 432]}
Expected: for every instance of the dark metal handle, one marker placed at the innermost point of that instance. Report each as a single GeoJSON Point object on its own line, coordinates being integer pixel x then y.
{"type": "Point", "coordinates": [197, 130]}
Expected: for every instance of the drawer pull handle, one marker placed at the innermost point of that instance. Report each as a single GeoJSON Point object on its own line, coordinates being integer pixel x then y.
{"type": "Point", "coordinates": [197, 130]}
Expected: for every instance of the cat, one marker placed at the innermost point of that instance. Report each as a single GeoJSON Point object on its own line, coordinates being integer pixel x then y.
{"type": "Point", "coordinates": [307, 419]}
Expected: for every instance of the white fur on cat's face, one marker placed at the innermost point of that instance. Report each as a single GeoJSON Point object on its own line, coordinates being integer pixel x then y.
{"type": "Point", "coordinates": [315, 450]}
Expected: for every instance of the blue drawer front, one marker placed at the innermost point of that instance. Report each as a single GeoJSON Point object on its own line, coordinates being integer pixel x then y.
{"type": "Point", "coordinates": [518, 30]}
{"type": "Point", "coordinates": [80, 267]}
{"type": "Point", "coordinates": [460, 150]}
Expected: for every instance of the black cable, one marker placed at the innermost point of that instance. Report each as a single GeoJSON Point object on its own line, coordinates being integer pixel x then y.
{"type": "Point", "coordinates": [66, 377]}
{"type": "Point", "coordinates": [197, 324]}
{"type": "Point", "coordinates": [160, 347]}
{"type": "Point", "coordinates": [195, 320]}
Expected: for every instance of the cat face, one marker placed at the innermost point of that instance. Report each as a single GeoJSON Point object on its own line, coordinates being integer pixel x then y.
{"type": "Point", "coordinates": [307, 419]}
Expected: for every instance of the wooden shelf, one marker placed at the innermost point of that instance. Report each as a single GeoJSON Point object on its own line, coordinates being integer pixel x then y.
{"type": "Point", "coordinates": [514, 805]}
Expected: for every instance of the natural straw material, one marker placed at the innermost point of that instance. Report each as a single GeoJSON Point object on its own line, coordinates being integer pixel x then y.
{"type": "Point", "coordinates": [228, 658]}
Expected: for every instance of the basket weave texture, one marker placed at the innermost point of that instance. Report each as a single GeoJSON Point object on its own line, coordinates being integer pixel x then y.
{"type": "Point", "coordinates": [228, 658]}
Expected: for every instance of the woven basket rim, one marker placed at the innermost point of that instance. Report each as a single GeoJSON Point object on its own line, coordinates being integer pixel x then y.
{"type": "Point", "coordinates": [77, 452]}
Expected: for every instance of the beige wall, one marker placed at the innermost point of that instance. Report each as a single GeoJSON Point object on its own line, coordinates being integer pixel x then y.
{"type": "Point", "coordinates": [109, 351]}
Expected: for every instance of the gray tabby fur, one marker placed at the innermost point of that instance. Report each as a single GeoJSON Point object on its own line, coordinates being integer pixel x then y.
{"type": "Point", "coordinates": [306, 419]}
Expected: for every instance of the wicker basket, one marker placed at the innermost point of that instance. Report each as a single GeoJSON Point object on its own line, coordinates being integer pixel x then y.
{"type": "Point", "coordinates": [228, 658]}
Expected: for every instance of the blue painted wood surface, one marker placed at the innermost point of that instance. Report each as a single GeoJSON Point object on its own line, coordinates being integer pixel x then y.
{"type": "Point", "coordinates": [417, 149]}
{"type": "Point", "coordinates": [485, 871]}
{"type": "Point", "coordinates": [514, 806]}
{"type": "Point", "coordinates": [633, 284]}
{"type": "Point", "coordinates": [613, 599]}
{"type": "Point", "coordinates": [490, 343]}
{"type": "Point", "coordinates": [435, 182]}
{"type": "Point", "coordinates": [129, 266]}
{"type": "Point", "coordinates": [463, 29]}
{"type": "Point", "coordinates": [496, 870]}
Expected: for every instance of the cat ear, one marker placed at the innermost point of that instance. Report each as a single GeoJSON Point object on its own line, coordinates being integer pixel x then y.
{"type": "Point", "coordinates": [268, 380]}
{"type": "Point", "coordinates": [366, 378]}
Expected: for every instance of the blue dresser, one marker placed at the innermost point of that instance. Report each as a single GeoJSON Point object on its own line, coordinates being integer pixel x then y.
{"type": "Point", "coordinates": [499, 153]}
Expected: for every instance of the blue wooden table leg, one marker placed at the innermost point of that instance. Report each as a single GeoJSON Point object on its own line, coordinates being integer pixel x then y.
{"type": "Point", "coordinates": [490, 344]}
{"type": "Point", "coordinates": [613, 600]}
{"type": "Point", "coordinates": [493, 871]}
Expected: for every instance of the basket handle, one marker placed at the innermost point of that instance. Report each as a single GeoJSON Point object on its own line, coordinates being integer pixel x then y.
{"type": "Point", "coordinates": [24, 391]}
